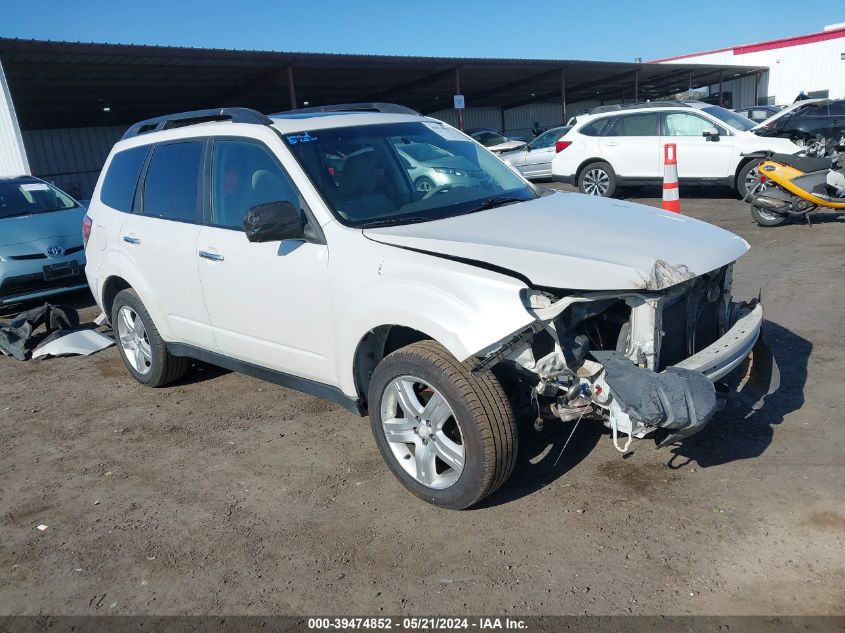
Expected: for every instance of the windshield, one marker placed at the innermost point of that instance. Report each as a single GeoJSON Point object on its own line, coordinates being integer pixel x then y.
{"type": "Point", "coordinates": [736, 121]}
{"type": "Point", "coordinates": [25, 197]}
{"type": "Point", "coordinates": [403, 172]}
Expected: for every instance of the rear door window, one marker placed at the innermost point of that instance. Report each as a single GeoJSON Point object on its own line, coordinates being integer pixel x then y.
{"type": "Point", "coordinates": [636, 125]}
{"type": "Point", "coordinates": [173, 182]}
{"type": "Point", "coordinates": [118, 188]}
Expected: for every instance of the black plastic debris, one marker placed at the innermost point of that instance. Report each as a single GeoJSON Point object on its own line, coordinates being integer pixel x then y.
{"type": "Point", "coordinates": [20, 335]}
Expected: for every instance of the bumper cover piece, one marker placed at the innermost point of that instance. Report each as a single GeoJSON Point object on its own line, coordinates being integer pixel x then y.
{"type": "Point", "coordinates": [680, 400]}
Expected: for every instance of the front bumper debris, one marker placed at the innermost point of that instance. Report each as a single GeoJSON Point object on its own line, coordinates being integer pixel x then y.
{"type": "Point", "coordinates": [682, 399]}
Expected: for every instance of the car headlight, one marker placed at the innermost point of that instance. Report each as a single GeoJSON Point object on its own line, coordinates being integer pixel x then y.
{"type": "Point", "coordinates": [449, 170]}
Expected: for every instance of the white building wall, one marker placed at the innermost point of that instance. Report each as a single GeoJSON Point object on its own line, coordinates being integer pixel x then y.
{"type": "Point", "coordinates": [13, 160]}
{"type": "Point", "coordinates": [808, 67]}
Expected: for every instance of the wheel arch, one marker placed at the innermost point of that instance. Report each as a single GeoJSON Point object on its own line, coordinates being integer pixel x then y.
{"type": "Point", "coordinates": [111, 287]}
{"type": "Point", "coordinates": [587, 162]}
{"type": "Point", "coordinates": [374, 346]}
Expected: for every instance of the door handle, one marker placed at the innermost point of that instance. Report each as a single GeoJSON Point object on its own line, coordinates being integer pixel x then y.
{"type": "Point", "coordinates": [611, 144]}
{"type": "Point", "coordinates": [131, 239]}
{"type": "Point", "coordinates": [217, 257]}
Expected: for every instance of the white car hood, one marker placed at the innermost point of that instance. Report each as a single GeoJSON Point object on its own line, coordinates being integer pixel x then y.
{"type": "Point", "coordinates": [575, 241]}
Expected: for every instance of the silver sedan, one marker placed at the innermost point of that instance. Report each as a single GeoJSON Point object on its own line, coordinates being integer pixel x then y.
{"type": "Point", "coordinates": [535, 159]}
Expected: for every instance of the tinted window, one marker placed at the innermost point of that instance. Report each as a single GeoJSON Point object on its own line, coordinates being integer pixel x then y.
{"type": "Point", "coordinates": [245, 175]}
{"type": "Point", "coordinates": [636, 125]}
{"type": "Point", "coordinates": [837, 108]}
{"type": "Point", "coordinates": [118, 188]}
{"type": "Point", "coordinates": [171, 188]}
{"type": "Point", "coordinates": [596, 127]}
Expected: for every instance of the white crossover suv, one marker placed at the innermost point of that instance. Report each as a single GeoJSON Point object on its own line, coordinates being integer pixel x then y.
{"type": "Point", "coordinates": [614, 146]}
{"type": "Point", "coordinates": [297, 249]}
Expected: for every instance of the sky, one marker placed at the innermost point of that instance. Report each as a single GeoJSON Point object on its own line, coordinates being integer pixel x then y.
{"type": "Point", "coordinates": [613, 30]}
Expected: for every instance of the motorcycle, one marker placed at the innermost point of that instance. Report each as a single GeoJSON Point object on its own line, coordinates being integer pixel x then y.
{"type": "Point", "coordinates": [791, 187]}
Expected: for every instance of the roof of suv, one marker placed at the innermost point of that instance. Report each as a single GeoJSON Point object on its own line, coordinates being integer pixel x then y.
{"type": "Point", "coordinates": [649, 105]}
{"type": "Point", "coordinates": [293, 121]}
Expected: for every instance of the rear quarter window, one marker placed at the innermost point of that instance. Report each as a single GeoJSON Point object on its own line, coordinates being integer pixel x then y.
{"type": "Point", "coordinates": [118, 188]}
{"type": "Point", "coordinates": [595, 128]}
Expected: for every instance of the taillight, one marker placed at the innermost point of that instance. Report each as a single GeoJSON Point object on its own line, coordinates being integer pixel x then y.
{"type": "Point", "coordinates": [86, 229]}
{"type": "Point", "coordinates": [562, 145]}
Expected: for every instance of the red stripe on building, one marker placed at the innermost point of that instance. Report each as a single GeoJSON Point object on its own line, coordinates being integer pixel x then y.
{"type": "Point", "coordinates": [784, 42]}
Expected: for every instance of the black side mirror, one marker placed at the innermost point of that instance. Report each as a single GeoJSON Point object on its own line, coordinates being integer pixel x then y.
{"type": "Point", "coordinates": [274, 221]}
{"type": "Point", "coordinates": [711, 133]}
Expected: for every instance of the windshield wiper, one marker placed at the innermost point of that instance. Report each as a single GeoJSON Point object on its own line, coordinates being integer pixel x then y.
{"type": "Point", "coordinates": [389, 221]}
{"type": "Point", "coordinates": [495, 201]}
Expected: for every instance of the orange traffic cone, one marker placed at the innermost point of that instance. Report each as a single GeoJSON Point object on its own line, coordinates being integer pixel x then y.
{"type": "Point", "coordinates": [671, 194]}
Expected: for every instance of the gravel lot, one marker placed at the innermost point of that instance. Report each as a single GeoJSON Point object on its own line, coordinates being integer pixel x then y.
{"type": "Point", "coordinates": [226, 495]}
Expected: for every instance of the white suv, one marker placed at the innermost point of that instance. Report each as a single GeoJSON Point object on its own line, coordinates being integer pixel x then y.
{"type": "Point", "coordinates": [297, 249]}
{"type": "Point", "coordinates": [614, 146]}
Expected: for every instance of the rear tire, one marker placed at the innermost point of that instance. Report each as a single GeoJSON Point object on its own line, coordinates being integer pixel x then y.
{"type": "Point", "coordinates": [597, 179]}
{"type": "Point", "coordinates": [140, 345]}
{"type": "Point", "coordinates": [477, 419]}
{"type": "Point", "coordinates": [766, 218]}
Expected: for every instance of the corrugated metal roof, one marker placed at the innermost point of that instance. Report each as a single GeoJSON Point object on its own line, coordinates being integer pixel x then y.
{"type": "Point", "coordinates": [69, 84]}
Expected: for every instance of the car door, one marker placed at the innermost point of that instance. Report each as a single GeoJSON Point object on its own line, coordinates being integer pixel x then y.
{"type": "Point", "coordinates": [632, 145]}
{"type": "Point", "coordinates": [836, 112]}
{"type": "Point", "coordinates": [698, 156]}
{"type": "Point", "coordinates": [538, 155]}
{"type": "Point", "coordinates": [268, 303]}
{"type": "Point", "coordinates": [158, 241]}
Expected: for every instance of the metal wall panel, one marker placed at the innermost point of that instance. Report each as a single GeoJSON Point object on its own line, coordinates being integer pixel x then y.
{"type": "Point", "coordinates": [71, 157]}
{"type": "Point", "coordinates": [13, 161]}
{"type": "Point", "coordinates": [808, 67]}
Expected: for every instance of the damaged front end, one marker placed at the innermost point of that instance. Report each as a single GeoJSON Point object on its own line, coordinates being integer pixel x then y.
{"type": "Point", "coordinates": [657, 361]}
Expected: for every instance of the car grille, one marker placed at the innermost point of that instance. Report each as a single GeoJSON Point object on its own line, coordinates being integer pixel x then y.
{"type": "Point", "coordinates": [35, 282]}
{"type": "Point", "coordinates": [68, 251]}
{"type": "Point", "coordinates": [681, 340]}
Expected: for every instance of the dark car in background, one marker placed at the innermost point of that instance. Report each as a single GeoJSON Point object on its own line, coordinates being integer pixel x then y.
{"type": "Point", "coordinates": [819, 126]}
{"type": "Point", "coordinates": [758, 114]}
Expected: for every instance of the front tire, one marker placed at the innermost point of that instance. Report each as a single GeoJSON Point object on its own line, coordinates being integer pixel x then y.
{"type": "Point", "coordinates": [140, 345]}
{"type": "Point", "coordinates": [597, 179]}
{"type": "Point", "coordinates": [766, 218]}
{"type": "Point", "coordinates": [449, 435]}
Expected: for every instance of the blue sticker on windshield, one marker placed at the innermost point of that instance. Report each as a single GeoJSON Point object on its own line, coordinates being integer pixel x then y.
{"type": "Point", "coordinates": [305, 137]}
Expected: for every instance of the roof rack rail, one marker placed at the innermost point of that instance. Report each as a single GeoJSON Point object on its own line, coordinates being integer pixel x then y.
{"type": "Point", "coordinates": [643, 104]}
{"type": "Point", "coordinates": [181, 119]}
{"type": "Point", "coordinates": [372, 106]}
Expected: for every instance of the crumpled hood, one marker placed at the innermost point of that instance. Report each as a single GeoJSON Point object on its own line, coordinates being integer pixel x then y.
{"type": "Point", "coordinates": [41, 226]}
{"type": "Point", "coordinates": [575, 241]}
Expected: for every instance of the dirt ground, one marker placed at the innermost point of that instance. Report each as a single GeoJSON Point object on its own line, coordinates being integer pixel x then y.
{"type": "Point", "coordinates": [227, 495]}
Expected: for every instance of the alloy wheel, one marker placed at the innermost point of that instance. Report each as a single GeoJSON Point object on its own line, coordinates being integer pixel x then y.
{"type": "Point", "coordinates": [422, 432]}
{"type": "Point", "coordinates": [596, 182]}
{"type": "Point", "coordinates": [134, 340]}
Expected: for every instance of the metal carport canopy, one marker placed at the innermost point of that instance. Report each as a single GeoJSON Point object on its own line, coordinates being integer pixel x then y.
{"type": "Point", "coordinates": [71, 84]}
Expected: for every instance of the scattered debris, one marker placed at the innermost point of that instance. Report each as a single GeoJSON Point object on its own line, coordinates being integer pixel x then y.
{"type": "Point", "coordinates": [42, 527]}
{"type": "Point", "coordinates": [101, 319]}
{"type": "Point", "coordinates": [80, 342]}
{"type": "Point", "coordinates": [17, 337]}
